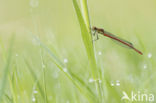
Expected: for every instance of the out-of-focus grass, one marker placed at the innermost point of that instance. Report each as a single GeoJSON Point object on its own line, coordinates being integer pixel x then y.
{"type": "Point", "coordinates": [34, 77]}
{"type": "Point", "coordinates": [6, 70]}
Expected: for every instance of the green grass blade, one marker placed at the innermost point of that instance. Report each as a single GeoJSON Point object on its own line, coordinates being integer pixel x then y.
{"type": "Point", "coordinates": [35, 78]}
{"type": "Point", "coordinates": [88, 41]}
{"type": "Point", "coordinates": [60, 65]}
{"type": "Point", "coordinates": [44, 77]}
{"type": "Point", "coordinates": [83, 84]}
{"type": "Point", "coordinates": [6, 70]}
{"type": "Point", "coordinates": [85, 13]}
{"type": "Point", "coordinates": [3, 51]}
{"type": "Point", "coordinates": [8, 98]}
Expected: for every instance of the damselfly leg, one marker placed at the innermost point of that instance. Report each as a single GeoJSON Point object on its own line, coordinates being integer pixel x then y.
{"type": "Point", "coordinates": [95, 34]}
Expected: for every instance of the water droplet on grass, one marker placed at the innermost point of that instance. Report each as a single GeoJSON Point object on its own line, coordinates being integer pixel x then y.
{"type": "Point", "coordinates": [112, 84]}
{"type": "Point", "coordinates": [145, 66]}
{"type": "Point", "coordinates": [91, 80]}
{"type": "Point", "coordinates": [35, 91]}
{"type": "Point", "coordinates": [65, 60]}
{"type": "Point", "coordinates": [16, 55]}
{"type": "Point", "coordinates": [65, 69]}
{"type": "Point", "coordinates": [33, 99]}
{"type": "Point", "coordinates": [149, 55]}
{"type": "Point", "coordinates": [117, 83]}
{"type": "Point", "coordinates": [99, 53]}
{"type": "Point", "coordinates": [100, 81]}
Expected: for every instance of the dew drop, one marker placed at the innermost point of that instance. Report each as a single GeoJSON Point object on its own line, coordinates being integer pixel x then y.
{"type": "Point", "coordinates": [16, 55]}
{"type": "Point", "coordinates": [99, 53]}
{"type": "Point", "coordinates": [35, 91]}
{"type": "Point", "coordinates": [145, 66]}
{"type": "Point", "coordinates": [117, 83]}
{"type": "Point", "coordinates": [65, 60]}
{"type": "Point", "coordinates": [149, 55]}
{"type": "Point", "coordinates": [33, 99]}
{"type": "Point", "coordinates": [100, 81]}
{"type": "Point", "coordinates": [65, 69]}
{"type": "Point", "coordinates": [91, 80]}
{"type": "Point", "coordinates": [112, 84]}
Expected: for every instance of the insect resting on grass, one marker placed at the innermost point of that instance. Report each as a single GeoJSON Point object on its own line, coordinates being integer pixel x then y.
{"type": "Point", "coordinates": [119, 40]}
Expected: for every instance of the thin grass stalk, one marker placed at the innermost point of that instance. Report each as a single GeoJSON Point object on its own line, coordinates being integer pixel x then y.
{"type": "Point", "coordinates": [89, 45]}
{"type": "Point", "coordinates": [6, 70]}
{"type": "Point", "coordinates": [85, 13]}
{"type": "Point", "coordinates": [44, 76]}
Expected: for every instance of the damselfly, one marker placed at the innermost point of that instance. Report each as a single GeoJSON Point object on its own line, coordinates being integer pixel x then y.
{"type": "Point", "coordinates": [119, 40]}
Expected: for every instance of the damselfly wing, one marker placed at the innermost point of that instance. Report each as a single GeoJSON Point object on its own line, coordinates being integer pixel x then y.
{"type": "Point", "coordinates": [115, 38]}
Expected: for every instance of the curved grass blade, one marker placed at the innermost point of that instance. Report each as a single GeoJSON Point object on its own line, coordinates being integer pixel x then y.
{"type": "Point", "coordinates": [6, 69]}
{"type": "Point", "coordinates": [35, 78]}
{"type": "Point", "coordinates": [87, 39]}
{"type": "Point", "coordinates": [83, 84]}
{"type": "Point", "coordinates": [60, 65]}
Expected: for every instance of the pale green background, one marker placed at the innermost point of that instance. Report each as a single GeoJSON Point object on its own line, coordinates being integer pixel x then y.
{"type": "Point", "coordinates": [55, 22]}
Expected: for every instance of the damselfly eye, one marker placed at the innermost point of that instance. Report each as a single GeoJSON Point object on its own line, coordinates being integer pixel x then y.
{"type": "Point", "coordinates": [94, 28]}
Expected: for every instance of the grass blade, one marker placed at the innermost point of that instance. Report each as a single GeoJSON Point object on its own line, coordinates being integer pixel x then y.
{"type": "Point", "coordinates": [87, 40]}
{"type": "Point", "coordinates": [35, 78]}
{"type": "Point", "coordinates": [6, 70]}
{"type": "Point", "coordinates": [60, 65]}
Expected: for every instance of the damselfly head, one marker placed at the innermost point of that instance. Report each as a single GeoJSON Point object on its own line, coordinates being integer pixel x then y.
{"type": "Point", "coordinates": [94, 28]}
{"type": "Point", "coordinates": [99, 30]}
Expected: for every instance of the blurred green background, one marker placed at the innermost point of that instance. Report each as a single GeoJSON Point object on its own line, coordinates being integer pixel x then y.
{"type": "Point", "coordinates": [33, 77]}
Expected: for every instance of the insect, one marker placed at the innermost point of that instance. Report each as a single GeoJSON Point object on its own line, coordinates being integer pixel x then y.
{"type": "Point", "coordinates": [113, 37]}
